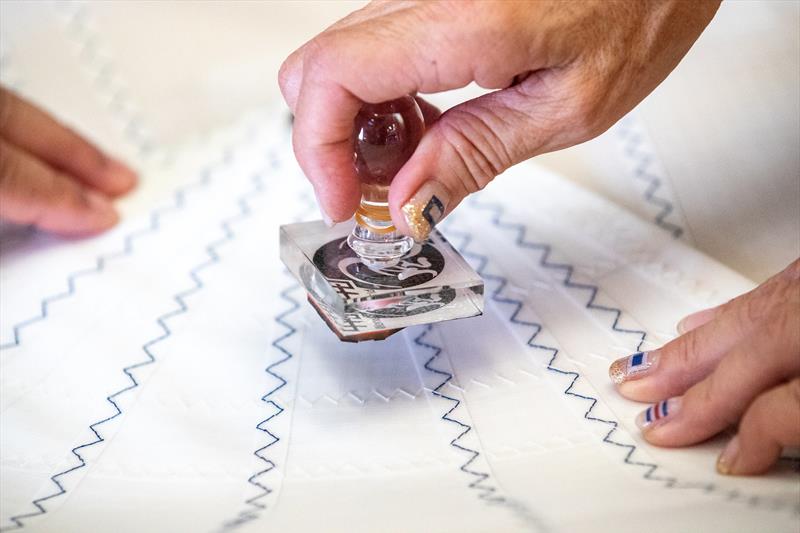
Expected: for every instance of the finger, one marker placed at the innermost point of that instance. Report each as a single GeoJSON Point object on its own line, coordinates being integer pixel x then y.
{"type": "Point", "coordinates": [672, 369]}
{"type": "Point", "coordinates": [760, 361]}
{"type": "Point", "coordinates": [430, 113]}
{"type": "Point", "coordinates": [475, 141]}
{"type": "Point", "coordinates": [770, 423]}
{"type": "Point", "coordinates": [33, 193]}
{"type": "Point", "coordinates": [357, 64]}
{"type": "Point", "coordinates": [322, 141]}
{"type": "Point", "coordinates": [31, 129]}
{"type": "Point", "coordinates": [290, 75]}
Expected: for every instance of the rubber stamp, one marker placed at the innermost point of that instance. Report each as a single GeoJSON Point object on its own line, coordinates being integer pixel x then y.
{"type": "Point", "coordinates": [364, 278]}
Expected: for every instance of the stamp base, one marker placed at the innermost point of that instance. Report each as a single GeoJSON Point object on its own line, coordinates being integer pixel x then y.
{"type": "Point", "coordinates": [432, 283]}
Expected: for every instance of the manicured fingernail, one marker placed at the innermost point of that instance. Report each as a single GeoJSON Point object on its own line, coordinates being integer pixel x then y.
{"type": "Point", "coordinates": [325, 217]}
{"type": "Point", "coordinates": [632, 367]}
{"type": "Point", "coordinates": [425, 209]}
{"type": "Point", "coordinates": [658, 413]}
{"type": "Point", "coordinates": [728, 456]}
{"type": "Point", "coordinates": [695, 320]}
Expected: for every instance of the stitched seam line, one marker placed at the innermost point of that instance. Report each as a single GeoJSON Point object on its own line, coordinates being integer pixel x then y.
{"type": "Point", "coordinates": [179, 298]}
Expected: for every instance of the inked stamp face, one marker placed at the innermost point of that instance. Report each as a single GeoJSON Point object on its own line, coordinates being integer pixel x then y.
{"type": "Point", "coordinates": [337, 262]}
{"type": "Point", "coordinates": [353, 280]}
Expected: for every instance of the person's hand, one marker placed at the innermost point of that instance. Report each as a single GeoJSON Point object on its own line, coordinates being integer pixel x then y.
{"type": "Point", "coordinates": [567, 70]}
{"type": "Point", "coordinates": [736, 363]}
{"type": "Point", "coordinates": [51, 177]}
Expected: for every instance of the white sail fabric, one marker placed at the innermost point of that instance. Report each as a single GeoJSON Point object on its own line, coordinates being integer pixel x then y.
{"type": "Point", "coordinates": [170, 375]}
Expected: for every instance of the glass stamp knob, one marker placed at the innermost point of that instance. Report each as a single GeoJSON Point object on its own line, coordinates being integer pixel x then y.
{"type": "Point", "coordinates": [385, 137]}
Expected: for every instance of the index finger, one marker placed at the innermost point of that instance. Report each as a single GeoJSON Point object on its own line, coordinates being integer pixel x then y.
{"type": "Point", "coordinates": [340, 71]}
{"type": "Point", "coordinates": [759, 362]}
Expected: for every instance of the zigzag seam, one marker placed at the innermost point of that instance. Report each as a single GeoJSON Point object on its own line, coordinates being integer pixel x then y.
{"type": "Point", "coordinates": [104, 78]}
{"type": "Point", "coordinates": [486, 493]}
{"type": "Point", "coordinates": [545, 249]}
{"type": "Point", "coordinates": [101, 261]}
{"type": "Point", "coordinates": [179, 298]}
{"type": "Point", "coordinates": [537, 328]}
{"type": "Point", "coordinates": [643, 160]}
{"type": "Point", "coordinates": [256, 506]}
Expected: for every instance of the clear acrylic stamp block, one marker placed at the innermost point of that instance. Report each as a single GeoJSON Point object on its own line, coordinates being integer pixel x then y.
{"type": "Point", "coordinates": [431, 283]}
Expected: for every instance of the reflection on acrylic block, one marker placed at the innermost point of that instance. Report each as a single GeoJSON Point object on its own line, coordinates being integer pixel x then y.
{"type": "Point", "coordinates": [431, 283]}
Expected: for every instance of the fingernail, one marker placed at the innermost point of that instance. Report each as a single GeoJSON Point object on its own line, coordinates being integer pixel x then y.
{"type": "Point", "coordinates": [425, 209]}
{"type": "Point", "coordinates": [632, 367]}
{"type": "Point", "coordinates": [123, 175]}
{"type": "Point", "coordinates": [727, 458]}
{"type": "Point", "coordinates": [658, 413]}
{"type": "Point", "coordinates": [695, 320]}
{"type": "Point", "coordinates": [101, 206]}
{"type": "Point", "coordinates": [97, 202]}
{"type": "Point", "coordinates": [325, 217]}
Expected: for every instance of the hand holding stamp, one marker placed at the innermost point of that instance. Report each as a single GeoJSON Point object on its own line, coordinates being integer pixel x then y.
{"type": "Point", "coordinates": [371, 281]}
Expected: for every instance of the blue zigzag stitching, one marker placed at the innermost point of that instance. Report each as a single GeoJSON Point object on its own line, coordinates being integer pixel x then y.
{"type": "Point", "coordinates": [180, 299]}
{"type": "Point", "coordinates": [632, 148]}
{"type": "Point", "coordinates": [568, 270]}
{"type": "Point", "coordinates": [255, 504]}
{"type": "Point", "coordinates": [179, 200]}
{"type": "Point", "coordinates": [537, 328]}
{"type": "Point", "coordinates": [545, 249]}
{"type": "Point", "coordinates": [485, 493]}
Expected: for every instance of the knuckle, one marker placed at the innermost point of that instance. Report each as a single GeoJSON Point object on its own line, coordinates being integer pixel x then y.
{"type": "Point", "coordinates": [479, 152]}
{"type": "Point", "coordinates": [684, 351]}
{"type": "Point", "coordinates": [792, 272]}
{"type": "Point", "coordinates": [778, 325]}
{"type": "Point", "coordinates": [283, 74]}
{"type": "Point", "coordinates": [755, 308]}
{"type": "Point", "coordinates": [317, 53]}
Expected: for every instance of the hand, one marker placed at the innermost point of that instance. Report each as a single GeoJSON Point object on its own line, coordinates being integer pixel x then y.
{"type": "Point", "coordinates": [739, 362]}
{"type": "Point", "coordinates": [53, 178]}
{"type": "Point", "coordinates": [567, 71]}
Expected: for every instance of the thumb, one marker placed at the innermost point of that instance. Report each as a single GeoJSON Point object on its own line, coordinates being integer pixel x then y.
{"type": "Point", "coordinates": [468, 146]}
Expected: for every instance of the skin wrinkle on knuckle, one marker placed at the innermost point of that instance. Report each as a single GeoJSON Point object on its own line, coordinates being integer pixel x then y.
{"type": "Point", "coordinates": [755, 309]}
{"type": "Point", "coordinates": [684, 353]}
{"type": "Point", "coordinates": [480, 152]}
